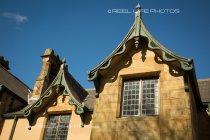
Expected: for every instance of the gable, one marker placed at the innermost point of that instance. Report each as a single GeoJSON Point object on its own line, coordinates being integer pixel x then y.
{"type": "Point", "coordinates": [138, 37]}
{"type": "Point", "coordinates": [65, 86]}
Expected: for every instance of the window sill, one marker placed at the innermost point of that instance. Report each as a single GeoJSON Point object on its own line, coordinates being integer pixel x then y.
{"type": "Point", "coordinates": [139, 118]}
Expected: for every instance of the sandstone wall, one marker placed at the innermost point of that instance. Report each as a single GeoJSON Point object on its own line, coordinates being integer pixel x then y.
{"type": "Point", "coordinates": [174, 119]}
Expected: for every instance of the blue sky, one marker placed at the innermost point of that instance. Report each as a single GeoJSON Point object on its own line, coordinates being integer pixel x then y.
{"type": "Point", "coordinates": [85, 33]}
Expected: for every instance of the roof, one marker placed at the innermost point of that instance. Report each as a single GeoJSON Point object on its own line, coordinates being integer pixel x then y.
{"type": "Point", "coordinates": [204, 88]}
{"type": "Point", "coordinates": [17, 113]}
{"type": "Point", "coordinates": [64, 83]}
{"type": "Point", "coordinates": [91, 91]}
{"type": "Point", "coordinates": [78, 92]}
{"type": "Point", "coordinates": [64, 80]}
{"type": "Point", "coordinates": [90, 99]}
{"type": "Point", "coordinates": [89, 102]}
{"type": "Point", "coordinates": [13, 84]}
{"type": "Point", "coordinates": [137, 35]}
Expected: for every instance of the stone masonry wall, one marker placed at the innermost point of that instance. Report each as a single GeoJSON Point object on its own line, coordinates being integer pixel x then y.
{"type": "Point", "coordinates": [174, 119]}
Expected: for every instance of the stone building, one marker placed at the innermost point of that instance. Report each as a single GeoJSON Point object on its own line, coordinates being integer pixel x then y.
{"type": "Point", "coordinates": [142, 91]}
{"type": "Point", "coordinates": [147, 92]}
{"type": "Point", "coordinates": [13, 92]}
{"type": "Point", "coordinates": [57, 103]}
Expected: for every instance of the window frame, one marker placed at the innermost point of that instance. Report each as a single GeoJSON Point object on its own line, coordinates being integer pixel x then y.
{"type": "Point", "coordinates": [57, 125]}
{"type": "Point", "coordinates": [156, 97]}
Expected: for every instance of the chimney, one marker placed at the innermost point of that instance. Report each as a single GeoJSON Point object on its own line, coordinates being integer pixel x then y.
{"type": "Point", "coordinates": [50, 68]}
{"type": "Point", "coordinates": [4, 63]}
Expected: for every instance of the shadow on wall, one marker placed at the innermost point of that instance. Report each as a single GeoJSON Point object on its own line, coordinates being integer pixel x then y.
{"type": "Point", "coordinates": [2, 120]}
{"type": "Point", "coordinates": [174, 68]}
{"type": "Point", "coordinates": [150, 127]}
{"type": "Point", "coordinates": [88, 118]}
{"type": "Point", "coordinates": [204, 124]}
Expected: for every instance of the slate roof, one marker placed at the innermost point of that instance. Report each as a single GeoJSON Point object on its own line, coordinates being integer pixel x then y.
{"type": "Point", "coordinates": [90, 99]}
{"type": "Point", "coordinates": [17, 113]}
{"type": "Point", "coordinates": [91, 91]}
{"type": "Point", "coordinates": [63, 80]}
{"type": "Point", "coordinates": [12, 83]}
{"type": "Point", "coordinates": [76, 89]}
{"type": "Point", "coordinates": [78, 94]}
{"type": "Point", "coordinates": [88, 102]}
{"type": "Point", "coordinates": [204, 88]}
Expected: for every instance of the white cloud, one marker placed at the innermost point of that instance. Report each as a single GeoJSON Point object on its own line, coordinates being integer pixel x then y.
{"type": "Point", "coordinates": [16, 17]}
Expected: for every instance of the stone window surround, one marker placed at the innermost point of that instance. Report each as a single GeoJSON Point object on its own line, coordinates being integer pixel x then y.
{"type": "Point", "coordinates": [123, 77]}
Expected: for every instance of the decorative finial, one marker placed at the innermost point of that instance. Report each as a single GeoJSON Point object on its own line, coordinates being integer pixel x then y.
{"type": "Point", "coordinates": [137, 24]}
{"type": "Point", "coordinates": [64, 60]}
{"type": "Point", "coordinates": [64, 65]}
{"type": "Point", "coordinates": [138, 7]}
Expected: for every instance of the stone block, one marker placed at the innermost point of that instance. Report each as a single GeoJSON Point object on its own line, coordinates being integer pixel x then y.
{"type": "Point", "coordinates": [175, 135]}
{"type": "Point", "coordinates": [172, 103]}
{"type": "Point", "coordinates": [101, 117]}
{"type": "Point", "coordinates": [108, 98]}
{"type": "Point", "coordinates": [178, 94]}
{"type": "Point", "coordinates": [176, 113]}
{"type": "Point", "coordinates": [106, 108]}
{"type": "Point", "coordinates": [174, 125]}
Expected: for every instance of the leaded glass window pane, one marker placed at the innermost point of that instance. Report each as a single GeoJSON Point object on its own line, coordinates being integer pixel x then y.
{"type": "Point", "coordinates": [131, 98]}
{"type": "Point", "coordinates": [149, 97]}
{"type": "Point", "coordinates": [140, 97]}
{"type": "Point", "coordinates": [57, 127]}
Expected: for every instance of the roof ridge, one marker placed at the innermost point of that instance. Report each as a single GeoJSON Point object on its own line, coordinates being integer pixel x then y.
{"type": "Point", "coordinates": [204, 79]}
{"type": "Point", "coordinates": [89, 88]}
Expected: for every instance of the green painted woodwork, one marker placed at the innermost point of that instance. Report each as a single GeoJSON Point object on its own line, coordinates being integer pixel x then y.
{"type": "Point", "coordinates": [139, 30]}
{"type": "Point", "coordinates": [58, 83]}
